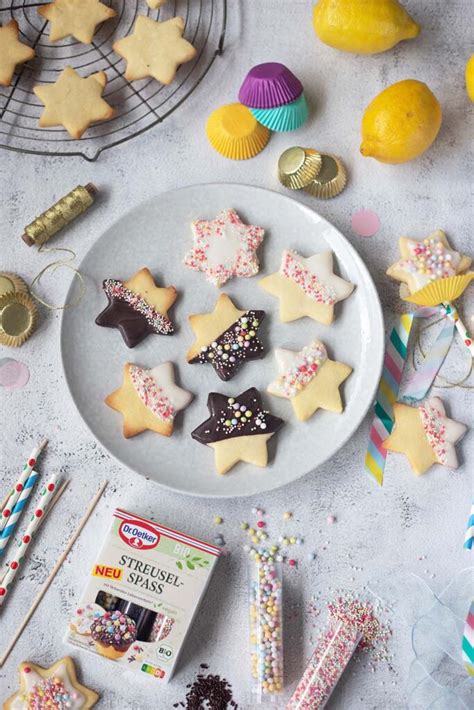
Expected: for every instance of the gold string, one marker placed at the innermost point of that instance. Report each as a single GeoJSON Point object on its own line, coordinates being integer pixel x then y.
{"type": "Point", "coordinates": [54, 266]}
{"type": "Point", "coordinates": [447, 384]}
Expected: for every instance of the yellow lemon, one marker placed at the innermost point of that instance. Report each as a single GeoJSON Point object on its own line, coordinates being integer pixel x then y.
{"type": "Point", "coordinates": [401, 122]}
{"type": "Point", "coordinates": [470, 78]}
{"type": "Point", "coordinates": [363, 26]}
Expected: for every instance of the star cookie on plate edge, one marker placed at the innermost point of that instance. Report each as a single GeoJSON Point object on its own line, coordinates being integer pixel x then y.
{"type": "Point", "coordinates": [307, 287]}
{"type": "Point", "coordinates": [224, 247]}
{"type": "Point", "coordinates": [238, 429]}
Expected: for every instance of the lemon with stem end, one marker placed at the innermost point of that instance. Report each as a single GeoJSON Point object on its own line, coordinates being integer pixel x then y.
{"type": "Point", "coordinates": [400, 123]}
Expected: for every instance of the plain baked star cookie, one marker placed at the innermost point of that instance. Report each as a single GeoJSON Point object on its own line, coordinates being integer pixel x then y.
{"type": "Point", "coordinates": [307, 287]}
{"type": "Point", "coordinates": [148, 399]}
{"type": "Point", "coordinates": [74, 102]}
{"type": "Point", "coordinates": [155, 4]}
{"type": "Point", "coordinates": [155, 49]}
{"type": "Point", "coordinates": [226, 338]}
{"type": "Point", "coordinates": [41, 687]}
{"type": "Point", "coordinates": [425, 435]}
{"type": "Point", "coordinates": [224, 247]}
{"type": "Point", "coordinates": [238, 429]}
{"type": "Point", "coordinates": [75, 18]}
{"type": "Point", "coordinates": [12, 52]}
{"type": "Point", "coordinates": [137, 307]}
{"type": "Point", "coordinates": [425, 261]}
{"type": "Point", "coordinates": [309, 379]}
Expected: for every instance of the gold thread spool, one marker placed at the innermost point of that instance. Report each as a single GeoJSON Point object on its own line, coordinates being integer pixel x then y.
{"type": "Point", "coordinates": [59, 215]}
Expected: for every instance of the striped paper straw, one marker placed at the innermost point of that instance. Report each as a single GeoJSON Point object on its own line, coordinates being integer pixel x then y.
{"type": "Point", "coordinates": [15, 494]}
{"type": "Point", "coordinates": [28, 535]}
{"type": "Point", "coordinates": [468, 641]}
{"type": "Point", "coordinates": [461, 328]}
{"type": "Point", "coordinates": [469, 537]}
{"type": "Point", "coordinates": [387, 394]}
{"type": "Point", "coordinates": [17, 511]}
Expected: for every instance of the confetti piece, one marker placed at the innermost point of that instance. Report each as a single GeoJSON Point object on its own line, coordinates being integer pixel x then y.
{"type": "Point", "coordinates": [218, 520]}
{"type": "Point", "coordinates": [13, 374]}
{"type": "Point", "coordinates": [331, 519]}
{"type": "Point", "coordinates": [287, 515]}
{"type": "Point", "coordinates": [365, 223]}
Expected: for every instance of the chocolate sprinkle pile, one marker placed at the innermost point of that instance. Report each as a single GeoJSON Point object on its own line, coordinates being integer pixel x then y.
{"type": "Point", "coordinates": [208, 691]}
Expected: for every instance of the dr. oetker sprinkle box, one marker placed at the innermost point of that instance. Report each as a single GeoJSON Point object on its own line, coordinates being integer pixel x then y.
{"type": "Point", "coordinates": [143, 592]}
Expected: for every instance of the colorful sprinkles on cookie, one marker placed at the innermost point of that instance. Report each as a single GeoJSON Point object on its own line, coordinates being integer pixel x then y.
{"type": "Point", "coordinates": [113, 630]}
{"type": "Point", "coordinates": [224, 247]}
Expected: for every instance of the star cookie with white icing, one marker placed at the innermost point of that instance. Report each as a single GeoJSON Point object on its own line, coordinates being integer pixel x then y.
{"type": "Point", "coordinates": [55, 687]}
{"type": "Point", "coordinates": [425, 435]}
{"type": "Point", "coordinates": [148, 399]}
{"type": "Point", "coordinates": [12, 52]}
{"type": "Point", "coordinates": [238, 429]}
{"type": "Point", "coordinates": [307, 287]}
{"type": "Point", "coordinates": [137, 307]}
{"type": "Point", "coordinates": [422, 262]}
{"type": "Point", "coordinates": [75, 18]}
{"type": "Point", "coordinates": [309, 379]}
{"type": "Point", "coordinates": [226, 338]}
{"type": "Point", "coordinates": [224, 247]}
{"type": "Point", "coordinates": [74, 102]}
{"type": "Point", "coordinates": [155, 49]}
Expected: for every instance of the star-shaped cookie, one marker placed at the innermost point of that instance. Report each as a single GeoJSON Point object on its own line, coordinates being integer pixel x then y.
{"type": "Point", "coordinates": [74, 102]}
{"type": "Point", "coordinates": [309, 379]}
{"type": "Point", "coordinates": [75, 18]}
{"type": "Point", "coordinates": [39, 686]}
{"type": "Point", "coordinates": [12, 52]}
{"type": "Point", "coordinates": [425, 435]}
{"type": "Point", "coordinates": [148, 399]}
{"type": "Point", "coordinates": [238, 429]}
{"type": "Point", "coordinates": [155, 49]}
{"type": "Point", "coordinates": [137, 307]}
{"type": "Point", "coordinates": [224, 247]}
{"type": "Point", "coordinates": [307, 287]}
{"type": "Point", "coordinates": [226, 338]}
{"type": "Point", "coordinates": [425, 261]}
{"type": "Point", "coordinates": [155, 4]}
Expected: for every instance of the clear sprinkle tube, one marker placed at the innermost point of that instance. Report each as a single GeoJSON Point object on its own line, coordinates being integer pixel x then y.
{"type": "Point", "coordinates": [266, 631]}
{"type": "Point", "coordinates": [333, 652]}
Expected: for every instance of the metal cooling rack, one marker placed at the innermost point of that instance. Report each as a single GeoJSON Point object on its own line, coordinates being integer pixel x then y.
{"type": "Point", "coordinates": [139, 105]}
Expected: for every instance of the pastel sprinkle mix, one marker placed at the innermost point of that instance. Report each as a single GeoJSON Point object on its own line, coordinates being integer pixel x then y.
{"type": "Point", "coordinates": [435, 430]}
{"type": "Point", "coordinates": [151, 394]}
{"type": "Point", "coordinates": [306, 280]}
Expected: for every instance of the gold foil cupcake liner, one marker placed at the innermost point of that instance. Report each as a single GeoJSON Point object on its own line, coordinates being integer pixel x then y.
{"type": "Point", "coordinates": [18, 316]}
{"type": "Point", "coordinates": [441, 290]}
{"type": "Point", "coordinates": [297, 167]}
{"type": "Point", "coordinates": [331, 179]}
{"type": "Point", "coordinates": [10, 282]}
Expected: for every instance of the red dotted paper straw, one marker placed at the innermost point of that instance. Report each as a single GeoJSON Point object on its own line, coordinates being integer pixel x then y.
{"type": "Point", "coordinates": [16, 562]}
{"type": "Point", "coordinates": [17, 490]}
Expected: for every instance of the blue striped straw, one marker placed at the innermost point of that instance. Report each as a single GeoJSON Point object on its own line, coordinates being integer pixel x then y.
{"type": "Point", "coordinates": [469, 537]}
{"type": "Point", "coordinates": [17, 511]}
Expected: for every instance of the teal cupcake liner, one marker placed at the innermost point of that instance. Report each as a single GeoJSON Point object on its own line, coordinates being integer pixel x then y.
{"type": "Point", "coordinates": [284, 118]}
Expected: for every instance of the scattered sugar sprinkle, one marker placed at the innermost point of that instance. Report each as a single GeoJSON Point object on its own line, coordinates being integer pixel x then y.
{"type": "Point", "coordinates": [208, 691]}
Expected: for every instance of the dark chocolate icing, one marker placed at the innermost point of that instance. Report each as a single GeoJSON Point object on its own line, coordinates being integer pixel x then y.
{"type": "Point", "coordinates": [227, 421]}
{"type": "Point", "coordinates": [236, 345]}
{"type": "Point", "coordinates": [134, 318]}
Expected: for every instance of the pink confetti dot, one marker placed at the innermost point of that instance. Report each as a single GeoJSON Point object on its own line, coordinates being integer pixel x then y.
{"type": "Point", "coordinates": [331, 519]}
{"type": "Point", "coordinates": [365, 223]}
{"type": "Point", "coordinates": [13, 374]}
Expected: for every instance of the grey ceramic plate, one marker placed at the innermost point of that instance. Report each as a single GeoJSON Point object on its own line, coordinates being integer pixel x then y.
{"type": "Point", "coordinates": [157, 234]}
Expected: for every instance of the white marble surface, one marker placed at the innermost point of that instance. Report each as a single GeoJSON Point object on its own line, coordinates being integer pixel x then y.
{"type": "Point", "coordinates": [381, 532]}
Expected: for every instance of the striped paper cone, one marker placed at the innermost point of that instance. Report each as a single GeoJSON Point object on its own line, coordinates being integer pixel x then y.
{"type": "Point", "coordinates": [17, 510]}
{"type": "Point", "coordinates": [15, 494]}
{"type": "Point", "coordinates": [469, 536]}
{"type": "Point", "coordinates": [28, 535]}
{"type": "Point", "coordinates": [387, 394]}
{"type": "Point", "coordinates": [468, 641]}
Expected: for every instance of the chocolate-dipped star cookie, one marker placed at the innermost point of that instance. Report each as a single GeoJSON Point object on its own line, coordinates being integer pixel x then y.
{"type": "Point", "coordinates": [137, 307]}
{"type": "Point", "coordinates": [238, 429]}
{"type": "Point", "coordinates": [226, 338]}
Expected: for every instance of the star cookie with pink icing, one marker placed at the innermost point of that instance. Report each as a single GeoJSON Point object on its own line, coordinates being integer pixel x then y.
{"type": "Point", "coordinates": [224, 247]}
{"type": "Point", "coordinates": [148, 399]}
{"type": "Point", "coordinates": [307, 287]}
{"type": "Point", "coordinates": [422, 262]}
{"type": "Point", "coordinates": [309, 379]}
{"type": "Point", "coordinates": [425, 435]}
{"type": "Point", "coordinates": [54, 688]}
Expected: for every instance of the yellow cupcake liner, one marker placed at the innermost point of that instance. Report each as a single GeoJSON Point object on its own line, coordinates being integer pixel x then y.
{"type": "Point", "coordinates": [441, 290]}
{"type": "Point", "coordinates": [331, 179]}
{"type": "Point", "coordinates": [18, 317]}
{"type": "Point", "coordinates": [297, 167]}
{"type": "Point", "coordinates": [235, 133]}
{"type": "Point", "coordinates": [11, 282]}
